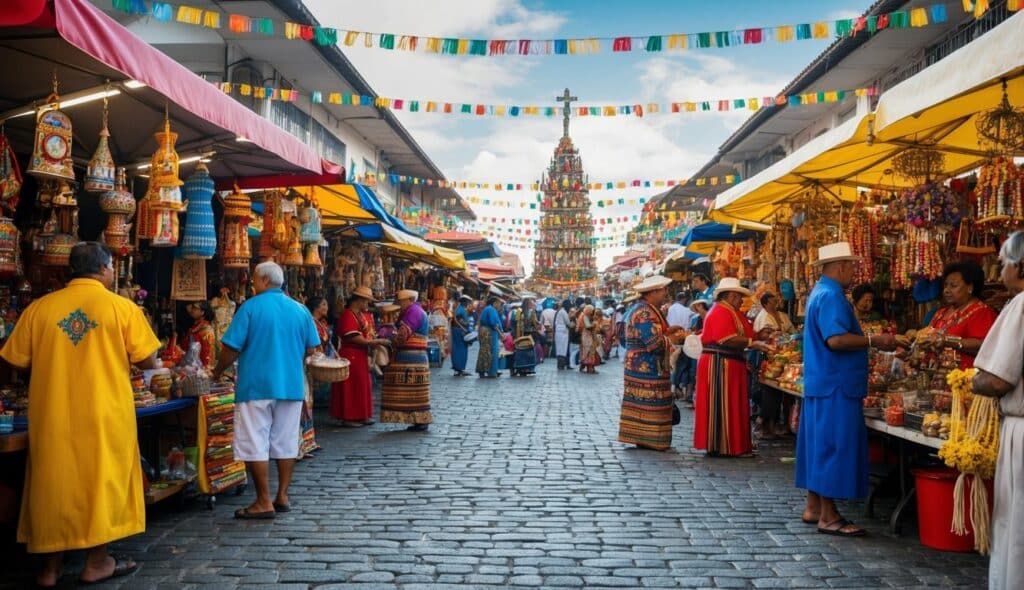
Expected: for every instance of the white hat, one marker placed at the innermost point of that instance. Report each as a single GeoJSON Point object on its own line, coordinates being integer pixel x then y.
{"type": "Point", "coordinates": [835, 253]}
{"type": "Point", "coordinates": [407, 294]}
{"type": "Point", "coordinates": [692, 346]}
{"type": "Point", "coordinates": [653, 283]}
{"type": "Point", "coordinates": [702, 301]}
{"type": "Point", "coordinates": [730, 284]}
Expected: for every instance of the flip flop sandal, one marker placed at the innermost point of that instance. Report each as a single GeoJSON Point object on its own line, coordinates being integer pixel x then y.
{"type": "Point", "coordinates": [121, 569]}
{"type": "Point", "coordinates": [245, 514]}
{"type": "Point", "coordinates": [838, 531]}
{"type": "Point", "coordinates": [282, 507]}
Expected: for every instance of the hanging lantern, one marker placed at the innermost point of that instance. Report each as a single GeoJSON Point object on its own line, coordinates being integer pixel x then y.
{"type": "Point", "coordinates": [310, 233]}
{"type": "Point", "coordinates": [119, 205]}
{"type": "Point", "coordinates": [235, 233]}
{"type": "Point", "coordinates": [293, 253]}
{"type": "Point", "coordinates": [312, 257]}
{"type": "Point", "coordinates": [921, 163]}
{"type": "Point", "coordinates": [163, 200]}
{"type": "Point", "coordinates": [99, 175]}
{"type": "Point", "coordinates": [1002, 128]}
{"type": "Point", "coordinates": [200, 235]}
{"type": "Point", "coordinates": [51, 150]}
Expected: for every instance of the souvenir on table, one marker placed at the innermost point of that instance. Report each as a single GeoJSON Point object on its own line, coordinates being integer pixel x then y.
{"type": "Point", "coordinates": [99, 174]}
{"type": "Point", "coordinates": [235, 233]}
{"type": "Point", "coordinates": [10, 175]}
{"type": "Point", "coordinates": [51, 149]}
{"type": "Point", "coordinates": [200, 235]}
{"type": "Point", "coordinates": [119, 205]}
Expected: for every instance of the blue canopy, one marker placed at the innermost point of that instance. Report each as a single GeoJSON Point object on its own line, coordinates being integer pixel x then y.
{"type": "Point", "coordinates": [713, 231]}
{"type": "Point", "coordinates": [368, 201]}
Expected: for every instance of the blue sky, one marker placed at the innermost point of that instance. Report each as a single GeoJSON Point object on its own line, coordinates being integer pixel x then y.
{"type": "Point", "coordinates": [655, 147]}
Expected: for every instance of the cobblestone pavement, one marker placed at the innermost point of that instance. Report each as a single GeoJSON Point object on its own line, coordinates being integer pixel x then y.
{"type": "Point", "coordinates": [520, 482]}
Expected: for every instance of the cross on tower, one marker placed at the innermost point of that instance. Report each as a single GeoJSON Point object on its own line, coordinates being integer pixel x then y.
{"type": "Point", "coordinates": [566, 98]}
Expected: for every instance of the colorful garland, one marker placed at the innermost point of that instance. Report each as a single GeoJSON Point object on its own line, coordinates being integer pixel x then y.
{"type": "Point", "coordinates": [999, 194]}
{"type": "Point", "coordinates": [932, 205]}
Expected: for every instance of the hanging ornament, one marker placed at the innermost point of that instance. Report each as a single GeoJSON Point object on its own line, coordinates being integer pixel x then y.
{"type": "Point", "coordinates": [10, 175]}
{"type": "Point", "coordinates": [99, 175]}
{"type": "Point", "coordinates": [51, 151]}
{"type": "Point", "coordinates": [119, 205]}
{"type": "Point", "coordinates": [163, 199]}
{"type": "Point", "coordinates": [200, 235]}
{"type": "Point", "coordinates": [235, 233]}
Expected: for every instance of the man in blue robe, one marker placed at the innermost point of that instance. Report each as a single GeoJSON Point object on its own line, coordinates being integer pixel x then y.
{"type": "Point", "coordinates": [832, 443]}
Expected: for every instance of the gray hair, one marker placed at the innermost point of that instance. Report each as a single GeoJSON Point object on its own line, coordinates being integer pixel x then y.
{"type": "Point", "coordinates": [88, 259]}
{"type": "Point", "coordinates": [1012, 251]}
{"type": "Point", "coordinates": [272, 272]}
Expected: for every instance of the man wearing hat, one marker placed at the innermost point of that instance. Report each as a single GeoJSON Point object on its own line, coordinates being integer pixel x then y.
{"type": "Point", "coordinates": [460, 327]}
{"type": "Point", "coordinates": [646, 418]}
{"type": "Point", "coordinates": [832, 444]}
{"type": "Point", "coordinates": [722, 404]}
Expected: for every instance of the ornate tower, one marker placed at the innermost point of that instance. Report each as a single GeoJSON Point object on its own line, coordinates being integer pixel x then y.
{"type": "Point", "coordinates": [564, 254]}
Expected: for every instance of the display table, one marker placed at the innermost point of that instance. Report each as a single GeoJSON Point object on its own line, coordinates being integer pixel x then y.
{"type": "Point", "coordinates": [14, 442]}
{"type": "Point", "coordinates": [899, 433]}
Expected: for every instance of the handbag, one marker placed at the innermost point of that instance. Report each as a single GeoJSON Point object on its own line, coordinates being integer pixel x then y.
{"type": "Point", "coordinates": [470, 337]}
{"type": "Point", "coordinates": [677, 416]}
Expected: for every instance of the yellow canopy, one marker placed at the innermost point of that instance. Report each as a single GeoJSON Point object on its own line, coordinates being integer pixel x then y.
{"type": "Point", "coordinates": [421, 249]}
{"type": "Point", "coordinates": [936, 108]}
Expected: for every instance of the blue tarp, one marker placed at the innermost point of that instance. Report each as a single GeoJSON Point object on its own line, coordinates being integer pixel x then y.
{"type": "Point", "coordinates": [713, 231]}
{"type": "Point", "coordinates": [367, 200]}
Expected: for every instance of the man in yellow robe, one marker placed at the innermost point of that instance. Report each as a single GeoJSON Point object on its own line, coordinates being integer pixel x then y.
{"type": "Point", "coordinates": [83, 482]}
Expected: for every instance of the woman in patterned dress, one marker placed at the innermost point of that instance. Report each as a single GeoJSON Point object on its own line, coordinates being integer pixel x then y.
{"type": "Point", "coordinates": [202, 332]}
{"type": "Point", "coordinates": [405, 395]}
{"type": "Point", "coordinates": [646, 419]}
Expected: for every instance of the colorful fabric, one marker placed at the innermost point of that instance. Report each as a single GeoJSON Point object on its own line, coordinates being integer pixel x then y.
{"type": "Point", "coordinates": [352, 399]}
{"type": "Point", "coordinates": [488, 358]}
{"type": "Point", "coordinates": [271, 332]}
{"type": "Point", "coordinates": [83, 480]}
{"type": "Point", "coordinates": [722, 401]}
{"type": "Point", "coordinates": [831, 444]}
{"type": "Point", "coordinates": [405, 395]}
{"type": "Point", "coordinates": [646, 419]}
{"type": "Point", "coordinates": [590, 343]}
{"type": "Point", "coordinates": [974, 321]}
{"type": "Point", "coordinates": [460, 350]}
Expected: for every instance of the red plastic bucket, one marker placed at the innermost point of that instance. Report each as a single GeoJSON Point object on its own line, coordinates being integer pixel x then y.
{"type": "Point", "coordinates": [935, 509]}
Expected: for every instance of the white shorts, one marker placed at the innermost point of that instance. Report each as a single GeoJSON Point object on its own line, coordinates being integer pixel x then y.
{"type": "Point", "coordinates": [267, 429]}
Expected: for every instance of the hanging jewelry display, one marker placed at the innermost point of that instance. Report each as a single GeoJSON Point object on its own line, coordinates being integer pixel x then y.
{"type": "Point", "coordinates": [236, 250]}
{"type": "Point", "coordinates": [200, 235]}
{"type": "Point", "coordinates": [119, 205]}
{"type": "Point", "coordinates": [51, 150]}
{"type": "Point", "coordinates": [99, 174]}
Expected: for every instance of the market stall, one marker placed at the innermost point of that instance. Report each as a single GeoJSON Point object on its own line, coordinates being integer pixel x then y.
{"type": "Point", "coordinates": [106, 138]}
{"type": "Point", "coordinates": [928, 179]}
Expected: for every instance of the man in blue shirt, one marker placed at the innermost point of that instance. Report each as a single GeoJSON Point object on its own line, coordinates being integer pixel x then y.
{"type": "Point", "coordinates": [702, 287]}
{"type": "Point", "coordinates": [832, 444]}
{"type": "Point", "coordinates": [270, 337]}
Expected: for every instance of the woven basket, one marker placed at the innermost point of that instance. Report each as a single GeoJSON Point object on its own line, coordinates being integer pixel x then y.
{"type": "Point", "coordinates": [194, 386]}
{"type": "Point", "coordinates": [325, 370]}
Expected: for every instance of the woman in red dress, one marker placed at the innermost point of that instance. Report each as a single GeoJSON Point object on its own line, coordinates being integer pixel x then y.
{"type": "Point", "coordinates": [352, 399]}
{"type": "Point", "coordinates": [722, 405]}
{"type": "Point", "coordinates": [965, 320]}
{"type": "Point", "coordinates": [202, 333]}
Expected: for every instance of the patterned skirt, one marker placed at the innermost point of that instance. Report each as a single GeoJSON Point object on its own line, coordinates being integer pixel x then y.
{"type": "Point", "coordinates": [405, 394]}
{"type": "Point", "coordinates": [646, 419]}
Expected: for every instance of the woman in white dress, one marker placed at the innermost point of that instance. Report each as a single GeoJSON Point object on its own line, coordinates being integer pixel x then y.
{"type": "Point", "coordinates": [562, 325]}
{"type": "Point", "coordinates": [1000, 362]}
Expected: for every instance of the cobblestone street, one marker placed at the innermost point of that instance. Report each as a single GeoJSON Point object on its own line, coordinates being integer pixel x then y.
{"type": "Point", "coordinates": [520, 482]}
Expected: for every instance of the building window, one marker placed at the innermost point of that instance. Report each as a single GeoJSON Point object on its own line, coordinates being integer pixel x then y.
{"type": "Point", "coordinates": [292, 119]}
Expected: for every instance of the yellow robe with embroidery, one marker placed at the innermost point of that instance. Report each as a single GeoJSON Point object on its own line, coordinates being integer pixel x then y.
{"type": "Point", "coordinates": [83, 483]}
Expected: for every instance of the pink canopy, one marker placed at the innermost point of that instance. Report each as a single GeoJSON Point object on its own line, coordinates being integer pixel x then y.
{"type": "Point", "coordinates": [92, 48]}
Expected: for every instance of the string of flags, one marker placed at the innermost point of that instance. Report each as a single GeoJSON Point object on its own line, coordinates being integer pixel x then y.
{"type": "Point", "coordinates": [754, 103]}
{"type": "Point", "coordinates": [818, 30]}
{"type": "Point", "coordinates": [396, 179]}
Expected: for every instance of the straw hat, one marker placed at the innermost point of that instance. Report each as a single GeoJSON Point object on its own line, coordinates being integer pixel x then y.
{"type": "Point", "coordinates": [364, 292]}
{"type": "Point", "coordinates": [390, 308]}
{"type": "Point", "coordinates": [704, 302]}
{"type": "Point", "coordinates": [653, 283]}
{"type": "Point", "coordinates": [835, 253]}
{"type": "Point", "coordinates": [731, 284]}
{"type": "Point", "coordinates": [407, 294]}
